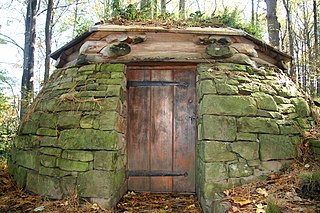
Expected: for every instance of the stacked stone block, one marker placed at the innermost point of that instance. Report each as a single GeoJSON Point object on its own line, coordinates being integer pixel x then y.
{"type": "Point", "coordinates": [250, 121]}
{"type": "Point", "coordinates": [72, 139]}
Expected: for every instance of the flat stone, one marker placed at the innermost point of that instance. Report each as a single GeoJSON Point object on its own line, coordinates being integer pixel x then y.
{"type": "Point", "coordinates": [48, 120]}
{"type": "Point", "coordinates": [247, 150]}
{"type": "Point", "coordinates": [247, 49]}
{"type": "Point", "coordinates": [114, 91]}
{"type": "Point", "coordinates": [228, 105]}
{"type": "Point", "coordinates": [29, 127]}
{"type": "Point", "coordinates": [304, 123]}
{"type": "Point", "coordinates": [286, 108]}
{"type": "Point", "coordinates": [281, 100]}
{"type": "Point", "coordinates": [257, 125]}
{"type": "Point", "coordinates": [51, 151]}
{"type": "Point", "coordinates": [230, 67]}
{"type": "Point", "coordinates": [277, 147]}
{"type": "Point", "coordinates": [48, 141]}
{"type": "Point", "coordinates": [226, 89]}
{"type": "Point", "coordinates": [108, 120]}
{"type": "Point", "coordinates": [302, 107]}
{"type": "Point", "coordinates": [48, 161]}
{"type": "Point", "coordinates": [26, 141]}
{"type": "Point", "coordinates": [68, 185]}
{"type": "Point", "coordinates": [265, 88]}
{"type": "Point", "coordinates": [244, 136]}
{"type": "Point", "coordinates": [26, 158]}
{"type": "Point", "coordinates": [240, 170]}
{"type": "Point", "coordinates": [248, 88]}
{"type": "Point", "coordinates": [43, 185]}
{"type": "Point", "coordinates": [206, 87]}
{"type": "Point", "coordinates": [19, 175]}
{"type": "Point", "coordinates": [219, 51]}
{"type": "Point", "coordinates": [70, 165]}
{"type": "Point", "coordinates": [86, 122]}
{"type": "Point", "coordinates": [102, 183]}
{"type": "Point", "coordinates": [91, 67]}
{"type": "Point", "coordinates": [240, 58]}
{"type": "Point", "coordinates": [112, 68]}
{"type": "Point", "coordinates": [78, 155]}
{"type": "Point", "coordinates": [265, 101]}
{"type": "Point", "coordinates": [108, 160]}
{"type": "Point", "coordinates": [215, 172]}
{"type": "Point", "coordinates": [214, 151]}
{"type": "Point", "coordinates": [47, 132]}
{"type": "Point", "coordinates": [89, 139]}
{"type": "Point", "coordinates": [69, 119]}
{"type": "Point", "coordinates": [219, 128]}
{"type": "Point", "coordinates": [53, 172]}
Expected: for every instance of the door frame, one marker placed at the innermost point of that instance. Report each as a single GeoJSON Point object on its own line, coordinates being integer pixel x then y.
{"type": "Point", "coordinates": [162, 66]}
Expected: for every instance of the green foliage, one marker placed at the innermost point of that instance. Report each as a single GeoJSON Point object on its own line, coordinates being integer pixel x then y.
{"type": "Point", "coordinates": [2, 41]}
{"type": "Point", "coordinates": [272, 208]}
{"type": "Point", "coordinates": [133, 13]}
{"type": "Point", "coordinates": [81, 23]}
{"type": "Point", "coordinates": [8, 116]}
{"type": "Point", "coordinates": [233, 18]}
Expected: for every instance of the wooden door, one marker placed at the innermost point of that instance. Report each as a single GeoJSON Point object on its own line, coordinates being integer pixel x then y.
{"type": "Point", "coordinates": [161, 128]}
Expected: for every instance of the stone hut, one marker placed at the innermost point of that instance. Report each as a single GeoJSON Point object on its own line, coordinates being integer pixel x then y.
{"type": "Point", "coordinates": [190, 110]}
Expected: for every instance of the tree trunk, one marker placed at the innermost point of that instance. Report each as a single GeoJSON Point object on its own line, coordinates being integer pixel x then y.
{"type": "Point", "coordinates": [252, 12]}
{"type": "Point", "coordinates": [272, 22]}
{"type": "Point", "coordinates": [48, 37]}
{"type": "Point", "coordinates": [316, 45]}
{"type": "Point", "coordinates": [290, 34]}
{"type": "Point", "coordinates": [27, 89]}
{"type": "Point", "coordinates": [163, 7]}
{"type": "Point", "coordinates": [182, 9]}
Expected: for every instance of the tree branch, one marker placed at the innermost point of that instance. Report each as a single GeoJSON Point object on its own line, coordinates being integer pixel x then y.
{"type": "Point", "coordinates": [11, 41]}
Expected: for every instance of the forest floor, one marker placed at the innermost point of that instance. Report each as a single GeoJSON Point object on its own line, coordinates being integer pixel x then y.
{"type": "Point", "coordinates": [279, 190]}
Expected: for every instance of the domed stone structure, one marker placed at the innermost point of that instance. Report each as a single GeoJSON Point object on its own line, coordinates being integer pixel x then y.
{"type": "Point", "coordinates": [193, 110]}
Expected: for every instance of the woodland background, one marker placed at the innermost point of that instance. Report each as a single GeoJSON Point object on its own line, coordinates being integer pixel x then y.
{"type": "Point", "coordinates": [31, 29]}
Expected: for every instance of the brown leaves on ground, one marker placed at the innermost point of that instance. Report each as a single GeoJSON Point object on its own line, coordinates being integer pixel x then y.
{"type": "Point", "coordinates": [13, 199]}
{"type": "Point", "coordinates": [158, 203]}
{"type": "Point", "coordinates": [279, 190]}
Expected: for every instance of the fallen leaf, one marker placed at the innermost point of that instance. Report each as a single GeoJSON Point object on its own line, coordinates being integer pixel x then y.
{"type": "Point", "coordinates": [261, 208]}
{"type": "Point", "coordinates": [262, 192]}
{"type": "Point", "coordinates": [226, 192]}
{"type": "Point", "coordinates": [241, 202]}
{"type": "Point", "coordinates": [235, 209]}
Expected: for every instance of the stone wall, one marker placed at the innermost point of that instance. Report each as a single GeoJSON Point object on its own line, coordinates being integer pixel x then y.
{"type": "Point", "coordinates": [73, 136]}
{"type": "Point", "coordinates": [250, 121]}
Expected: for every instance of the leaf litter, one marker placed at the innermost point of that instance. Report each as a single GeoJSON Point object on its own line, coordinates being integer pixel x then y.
{"type": "Point", "coordinates": [13, 199]}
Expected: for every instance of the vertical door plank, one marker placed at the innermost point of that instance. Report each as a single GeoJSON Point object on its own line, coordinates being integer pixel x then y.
{"type": "Point", "coordinates": [138, 130]}
{"type": "Point", "coordinates": [161, 141]}
{"type": "Point", "coordinates": [185, 130]}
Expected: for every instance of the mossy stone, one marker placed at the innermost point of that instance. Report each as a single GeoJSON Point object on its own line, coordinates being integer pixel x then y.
{"type": "Point", "coordinates": [257, 125]}
{"type": "Point", "coordinates": [277, 147]}
{"type": "Point", "coordinates": [228, 105]}
{"type": "Point", "coordinates": [44, 185]}
{"type": "Point", "coordinates": [78, 155]}
{"type": "Point", "coordinates": [219, 128]}
{"type": "Point", "coordinates": [70, 165]}
{"type": "Point", "coordinates": [88, 139]}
